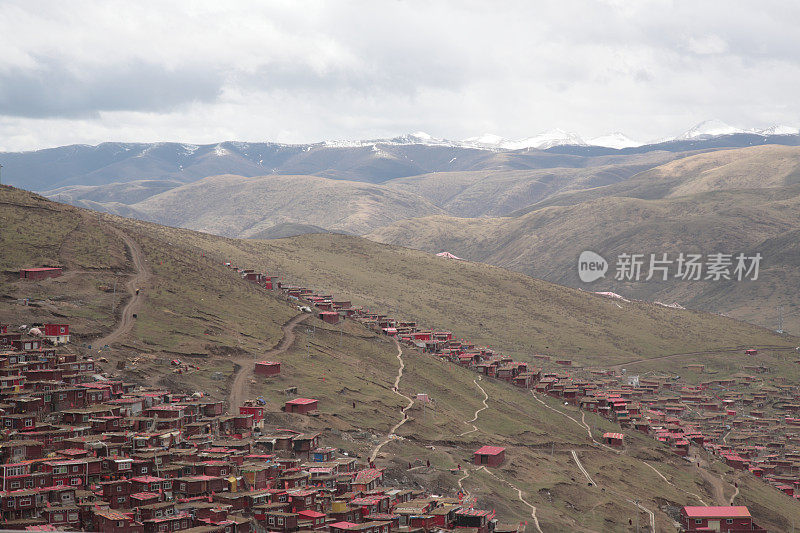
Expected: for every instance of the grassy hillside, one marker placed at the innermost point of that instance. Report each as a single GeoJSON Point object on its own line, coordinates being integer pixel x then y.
{"type": "Point", "coordinates": [497, 193]}
{"type": "Point", "coordinates": [243, 207]}
{"type": "Point", "coordinates": [492, 306]}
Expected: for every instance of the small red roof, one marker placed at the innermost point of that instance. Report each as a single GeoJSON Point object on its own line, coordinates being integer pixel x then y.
{"type": "Point", "coordinates": [736, 511]}
{"type": "Point", "coordinates": [301, 401]}
{"type": "Point", "coordinates": [343, 525]}
{"type": "Point", "coordinates": [490, 450]}
{"type": "Point", "coordinates": [311, 514]}
{"type": "Point", "coordinates": [618, 436]}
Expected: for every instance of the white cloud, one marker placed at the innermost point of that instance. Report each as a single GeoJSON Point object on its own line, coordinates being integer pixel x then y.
{"type": "Point", "coordinates": [306, 71]}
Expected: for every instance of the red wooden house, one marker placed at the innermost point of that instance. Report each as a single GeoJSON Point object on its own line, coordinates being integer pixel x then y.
{"type": "Point", "coordinates": [614, 439]}
{"type": "Point", "coordinates": [110, 521]}
{"type": "Point", "coordinates": [723, 519]}
{"type": "Point", "coordinates": [57, 333]}
{"type": "Point", "coordinates": [301, 406]}
{"type": "Point", "coordinates": [268, 368]}
{"type": "Point", "coordinates": [490, 456]}
{"type": "Point", "coordinates": [36, 274]}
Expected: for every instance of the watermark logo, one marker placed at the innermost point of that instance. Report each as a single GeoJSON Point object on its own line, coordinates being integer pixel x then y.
{"type": "Point", "coordinates": [591, 266]}
{"type": "Point", "coordinates": [663, 267]}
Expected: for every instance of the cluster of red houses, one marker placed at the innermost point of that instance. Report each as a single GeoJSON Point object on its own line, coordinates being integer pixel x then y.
{"type": "Point", "coordinates": [80, 452]}
{"type": "Point", "coordinates": [675, 414]}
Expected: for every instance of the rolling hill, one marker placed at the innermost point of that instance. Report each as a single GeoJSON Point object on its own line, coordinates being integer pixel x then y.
{"type": "Point", "coordinates": [729, 201]}
{"type": "Point", "coordinates": [196, 309]}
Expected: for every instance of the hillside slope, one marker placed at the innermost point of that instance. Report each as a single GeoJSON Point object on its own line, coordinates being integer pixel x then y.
{"type": "Point", "coordinates": [199, 311]}
{"type": "Point", "coordinates": [732, 201]}
{"type": "Point", "coordinates": [236, 206]}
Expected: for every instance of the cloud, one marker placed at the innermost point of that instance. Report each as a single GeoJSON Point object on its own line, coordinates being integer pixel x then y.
{"type": "Point", "coordinates": [310, 70]}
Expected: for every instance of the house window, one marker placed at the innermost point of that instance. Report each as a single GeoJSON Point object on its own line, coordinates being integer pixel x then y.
{"type": "Point", "coordinates": [63, 396]}
{"type": "Point", "coordinates": [75, 468]}
{"type": "Point", "coordinates": [119, 488]}
{"type": "Point", "coordinates": [73, 517]}
{"type": "Point", "coordinates": [698, 521]}
{"type": "Point", "coordinates": [24, 501]}
{"type": "Point", "coordinates": [158, 513]}
{"type": "Point", "coordinates": [168, 485]}
{"type": "Point", "coordinates": [729, 521]}
{"type": "Point", "coordinates": [144, 470]}
{"type": "Point", "coordinates": [29, 423]}
{"type": "Point", "coordinates": [120, 523]}
{"type": "Point", "coordinates": [168, 512]}
{"type": "Point", "coordinates": [121, 499]}
{"type": "Point", "coordinates": [280, 521]}
{"type": "Point", "coordinates": [14, 485]}
{"type": "Point", "coordinates": [59, 482]}
{"type": "Point", "coordinates": [80, 394]}
{"type": "Point", "coordinates": [75, 481]}
{"type": "Point", "coordinates": [58, 517]}
{"type": "Point", "coordinates": [28, 483]}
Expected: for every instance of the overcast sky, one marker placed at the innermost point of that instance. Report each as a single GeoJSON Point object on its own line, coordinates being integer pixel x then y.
{"type": "Point", "coordinates": [296, 71]}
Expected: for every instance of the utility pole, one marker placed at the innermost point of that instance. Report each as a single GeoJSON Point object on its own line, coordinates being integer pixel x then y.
{"type": "Point", "coordinates": [780, 319]}
{"type": "Point", "coordinates": [1, 174]}
{"type": "Point", "coordinates": [636, 503]}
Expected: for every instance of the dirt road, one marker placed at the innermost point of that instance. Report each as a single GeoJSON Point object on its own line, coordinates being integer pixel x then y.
{"type": "Point", "coordinates": [139, 279]}
{"type": "Point", "coordinates": [244, 372]}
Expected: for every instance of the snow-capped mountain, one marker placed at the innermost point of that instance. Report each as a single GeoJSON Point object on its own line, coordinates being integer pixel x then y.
{"type": "Point", "coordinates": [542, 141]}
{"type": "Point", "coordinates": [710, 128]}
{"type": "Point", "coordinates": [614, 140]}
{"type": "Point", "coordinates": [779, 129]}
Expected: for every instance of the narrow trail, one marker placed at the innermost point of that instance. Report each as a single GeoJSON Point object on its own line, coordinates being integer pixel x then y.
{"type": "Point", "coordinates": [396, 390]}
{"type": "Point", "coordinates": [582, 423]}
{"type": "Point", "coordinates": [717, 486]}
{"type": "Point", "coordinates": [462, 478]}
{"type": "Point", "coordinates": [141, 277]}
{"type": "Point", "coordinates": [474, 418]}
{"type": "Point", "coordinates": [239, 388]}
{"type": "Point", "coordinates": [673, 484]}
{"type": "Point", "coordinates": [650, 513]}
{"type": "Point", "coordinates": [582, 469]}
{"type": "Point", "coordinates": [519, 496]}
{"type": "Point", "coordinates": [735, 494]}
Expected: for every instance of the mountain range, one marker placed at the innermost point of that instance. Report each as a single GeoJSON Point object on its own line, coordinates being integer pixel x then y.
{"type": "Point", "coordinates": [373, 161]}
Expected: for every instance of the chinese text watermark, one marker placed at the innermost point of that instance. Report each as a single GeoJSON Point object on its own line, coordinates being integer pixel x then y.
{"type": "Point", "coordinates": [663, 266]}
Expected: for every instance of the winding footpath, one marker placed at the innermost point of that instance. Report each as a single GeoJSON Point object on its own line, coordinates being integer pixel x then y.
{"type": "Point", "coordinates": [141, 277]}
{"type": "Point", "coordinates": [404, 411]}
{"type": "Point", "coordinates": [245, 367]}
{"type": "Point", "coordinates": [519, 496]}
{"type": "Point", "coordinates": [475, 418]}
{"type": "Point", "coordinates": [460, 481]}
